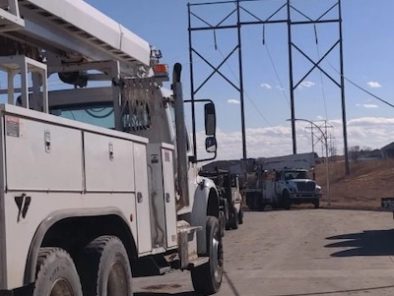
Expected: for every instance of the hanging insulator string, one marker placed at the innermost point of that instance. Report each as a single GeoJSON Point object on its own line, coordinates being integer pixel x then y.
{"type": "Point", "coordinates": [215, 41]}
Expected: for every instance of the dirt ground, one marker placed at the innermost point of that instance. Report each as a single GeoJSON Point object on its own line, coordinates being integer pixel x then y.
{"type": "Point", "coordinates": [368, 182]}
{"type": "Point", "coordinates": [298, 253]}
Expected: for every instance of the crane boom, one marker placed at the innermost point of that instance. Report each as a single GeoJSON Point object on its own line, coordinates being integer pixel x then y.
{"type": "Point", "coordinates": [73, 28]}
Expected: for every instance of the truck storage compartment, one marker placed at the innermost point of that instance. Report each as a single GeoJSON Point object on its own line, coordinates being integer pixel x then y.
{"type": "Point", "coordinates": [163, 203]}
{"type": "Point", "coordinates": [108, 164]}
{"type": "Point", "coordinates": [41, 156]}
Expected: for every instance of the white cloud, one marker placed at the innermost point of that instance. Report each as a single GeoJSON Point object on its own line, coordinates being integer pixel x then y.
{"type": "Point", "coordinates": [319, 117]}
{"type": "Point", "coordinates": [374, 132]}
{"type": "Point", "coordinates": [374, 84]}
{"type": "Point", "coordinates": [368, 106]}
{"type": "Point", "coordinates": [307, 84]}
{"type": "Point", "coordinates": [266, 85]}
{"type": "Point", "coordinates": [233, 101]}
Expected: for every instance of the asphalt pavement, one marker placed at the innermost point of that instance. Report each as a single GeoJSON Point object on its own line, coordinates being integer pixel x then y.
{"type": "Point", "coordinates": [299, 253]}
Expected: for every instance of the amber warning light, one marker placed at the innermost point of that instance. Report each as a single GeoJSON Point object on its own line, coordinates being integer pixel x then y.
{"type": "Point", "coordinates": [160, 70]}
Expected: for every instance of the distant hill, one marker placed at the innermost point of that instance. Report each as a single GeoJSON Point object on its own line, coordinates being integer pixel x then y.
{"type": "Point", "coordinates": [370, 180]}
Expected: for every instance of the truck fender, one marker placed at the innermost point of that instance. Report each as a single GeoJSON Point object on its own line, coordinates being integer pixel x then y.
{"type": "Point", "coordinates": [51, 220]}
{"type": "Point", "coordinates": [206, 203]}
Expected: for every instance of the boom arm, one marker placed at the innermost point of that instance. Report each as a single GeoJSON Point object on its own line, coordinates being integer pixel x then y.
{"type": "Point", "coordinates": [73, 29]}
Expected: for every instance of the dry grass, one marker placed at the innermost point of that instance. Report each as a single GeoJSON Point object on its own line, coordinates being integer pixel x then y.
{"type": "Point", "coordinates": [363, 189]}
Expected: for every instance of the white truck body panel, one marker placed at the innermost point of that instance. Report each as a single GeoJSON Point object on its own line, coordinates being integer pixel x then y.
{"type": "Point", "coordinates": [297, 161]}
{"type": "Point", "coordinates": [169, 195]}
{"type": "Point", "coordinates": [45, 205]}
{"type": "Point", "coordinates": [69, 192]}
{"type": "Point", "coordinates": [57, 167]}
{"type": "Point", "coordinates": [89, 20]}
{"type": "Point", "coordinates": [106, 173]}
{"type": "Point", "coordinates": [163, 213]}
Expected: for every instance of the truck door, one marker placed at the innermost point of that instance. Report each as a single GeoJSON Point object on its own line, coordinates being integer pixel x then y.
{"type": "Point", "coordinates": [169, 196]}
{"type": "Point", "coordinates": [142, 198]}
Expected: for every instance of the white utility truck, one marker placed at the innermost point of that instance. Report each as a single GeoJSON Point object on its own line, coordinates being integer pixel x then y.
{"type": "Point", "coordinates": [281, 182]}
{"type": "Point", "coordinates": [97, 180]}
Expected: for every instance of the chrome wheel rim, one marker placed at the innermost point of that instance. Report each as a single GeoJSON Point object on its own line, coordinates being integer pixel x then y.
{"type": "Point", "coordinates": [117, 284]}
{"type": "Point", "coordinates": [217, 258]}
{"type": "Point", "coordinates": [61, 287]}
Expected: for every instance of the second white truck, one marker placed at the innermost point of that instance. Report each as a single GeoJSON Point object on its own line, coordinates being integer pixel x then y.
{"type": "Point", "coordinates": [273, 182]}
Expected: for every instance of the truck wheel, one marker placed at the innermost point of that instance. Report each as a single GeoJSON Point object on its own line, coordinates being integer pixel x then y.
{"type": "Point", "coordinates": [286, 200]}
{"type": "Point", "coordinates": [105, 268]}
{"type": "Point", "coordinates": [234, 218]}
{"type": "Point", "coordinates": [317, 204]}
{"type": "Point", "coordinates": [56, 274]}
{"type": "Point", "coordinates": [207, 278]}
{"type": "Point", "coordinates": [222, 223]}
{"type": "Point", "coordinates": [240, 216]}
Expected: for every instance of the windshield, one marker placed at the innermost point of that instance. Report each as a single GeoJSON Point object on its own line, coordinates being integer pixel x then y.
{"type": "Point", "coordinates": [97, 114]}
{"type": "Point", "coordinates": [290, 175]}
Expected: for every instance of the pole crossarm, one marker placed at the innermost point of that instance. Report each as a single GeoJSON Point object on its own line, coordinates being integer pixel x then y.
{"type": "Point", "coordinates": [216, 70]}
{"type": "Point", "coordinates": [316, 64]}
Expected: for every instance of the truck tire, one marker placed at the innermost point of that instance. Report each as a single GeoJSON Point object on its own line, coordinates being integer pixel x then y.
{"type": "Point", "coordinates": [240, 216]}
{"type": "Point", "coordinates": [207, 278]}
{"type": "Point", "coordinates": [316, 204]}
{"type": "Point", "coordinates": [222, 223]}
{"type": "Point", "coordinates": [286, 200]}
{"type": "Point", "coordinates": [56, 274]}
{"type": "Point", "coordinates": [105, 268]}
{"type": "Point", "coordinates": [234, 218]}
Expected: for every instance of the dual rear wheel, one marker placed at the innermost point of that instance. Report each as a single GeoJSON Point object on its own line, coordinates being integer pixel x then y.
{"type": "Point", "coordinates": [103, 269]}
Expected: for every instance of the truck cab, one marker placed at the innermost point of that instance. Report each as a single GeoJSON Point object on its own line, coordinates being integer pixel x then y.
{"type": "Point", "coordinates": [294, 186]}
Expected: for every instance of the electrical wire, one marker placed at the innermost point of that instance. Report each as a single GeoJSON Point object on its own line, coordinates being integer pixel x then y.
{"type": "Point", "coordinates": [279, 81]}
{"type": "Point", "coordinates": [362, 88]}
{"type": "Point", "coordinates": [321, 74]}
{"type": "Point", "coordinates": [246, 94]}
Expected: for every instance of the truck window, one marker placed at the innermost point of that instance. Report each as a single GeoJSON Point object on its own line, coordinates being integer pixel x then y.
{"type": "Point", "coordinates": [97, 114]}
{"type": "Point", "coordinates": [290, 175]}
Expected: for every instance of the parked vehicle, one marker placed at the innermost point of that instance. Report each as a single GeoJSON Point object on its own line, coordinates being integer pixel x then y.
{"type": "Point", "coordinates": [230, 197]}
{"type": "Point", "coordinates": [280, 186]}
{"type": "Point", "coordinates": [97, 179]}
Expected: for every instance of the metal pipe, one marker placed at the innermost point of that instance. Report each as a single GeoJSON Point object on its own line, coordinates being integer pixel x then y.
{"type": "Point", "coordinates": [181, 140]}
{"type": "Point", "coordinates": [193, 107]}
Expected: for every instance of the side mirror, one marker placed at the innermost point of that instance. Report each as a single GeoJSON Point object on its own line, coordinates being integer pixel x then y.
{"type": "Point", "coordinates": [211, 145]}
{"type": "Point", "coordinates": [210, 119]}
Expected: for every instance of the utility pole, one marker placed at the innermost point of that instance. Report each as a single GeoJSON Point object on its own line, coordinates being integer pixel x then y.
{"type": "Point", "coordinates": [241, 81]}
{"type": "Point", "coordinates": [291, 78]}
{"type": "Point", "coordinates": [313, 139]}
{"type": "Point", "coordinates": [344, 120]}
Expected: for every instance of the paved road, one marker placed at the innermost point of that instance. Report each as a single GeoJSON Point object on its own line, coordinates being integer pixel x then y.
{"type": "Point", "coordinates": [299, 253]}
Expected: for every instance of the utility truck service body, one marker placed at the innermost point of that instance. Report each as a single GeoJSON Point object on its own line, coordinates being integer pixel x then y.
{"type": "Point", "coordinates": [96, 183]}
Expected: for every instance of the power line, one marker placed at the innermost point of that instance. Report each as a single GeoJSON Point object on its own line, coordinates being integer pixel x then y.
{"type": "Point", "coordinates": [321, 74]}
{"type": "Point", "coordinates": [282, 89]}
{"type": "Point", "coordinates": [364, 89]}
{"type": "Point", "coordinates": [246, 93]}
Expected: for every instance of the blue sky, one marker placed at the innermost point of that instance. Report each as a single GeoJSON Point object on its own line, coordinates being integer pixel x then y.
{"type": "Point", "coordinates": [369, 61]}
